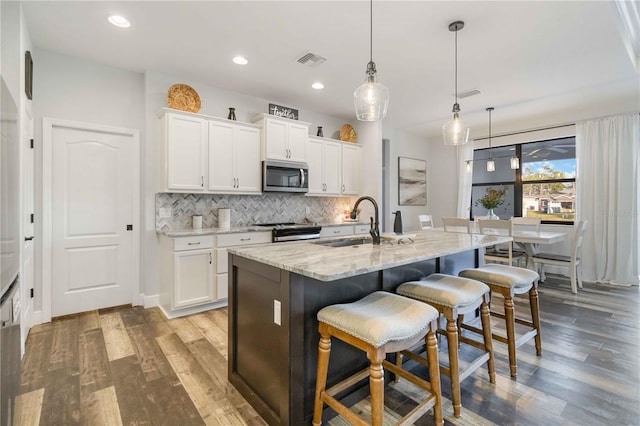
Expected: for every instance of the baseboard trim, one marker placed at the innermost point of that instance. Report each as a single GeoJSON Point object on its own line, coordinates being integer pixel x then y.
{"type": "Point", "coordinates": [150, 301]}
{"type": "Point", "coordinates": [36, 318]}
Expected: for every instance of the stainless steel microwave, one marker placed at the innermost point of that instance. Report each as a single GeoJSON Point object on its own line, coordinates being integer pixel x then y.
{"type": "Point", "coordinates": [283, 176]}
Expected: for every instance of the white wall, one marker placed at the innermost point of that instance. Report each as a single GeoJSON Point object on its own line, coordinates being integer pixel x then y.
{"type": "Point", "coordinates": [69, 88]}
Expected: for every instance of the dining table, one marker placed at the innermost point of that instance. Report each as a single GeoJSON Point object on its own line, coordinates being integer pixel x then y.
{"type": "Point", "coordinates": [528, 240]}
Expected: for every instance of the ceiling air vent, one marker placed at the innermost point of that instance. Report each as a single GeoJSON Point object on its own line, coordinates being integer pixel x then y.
{"type": "Point", "coordinates": [311, 59]}
{"type": "Point", "coordinates": [467, 93]}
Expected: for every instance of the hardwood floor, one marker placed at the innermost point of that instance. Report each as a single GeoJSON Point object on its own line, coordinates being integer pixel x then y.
{"type": "Point", "coordinates": [132, 366]}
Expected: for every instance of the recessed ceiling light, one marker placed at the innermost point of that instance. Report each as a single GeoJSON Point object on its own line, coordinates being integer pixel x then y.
{"type": "Point", "coordinates": [119, 21]}
{"type": "Point", "coordinates": [317, 85]}
{"type": "Point", "coordinates": [240, 60]}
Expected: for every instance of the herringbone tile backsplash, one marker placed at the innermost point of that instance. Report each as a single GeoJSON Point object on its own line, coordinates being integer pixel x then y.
{"type": "Point", "coordinates": [248, 210]}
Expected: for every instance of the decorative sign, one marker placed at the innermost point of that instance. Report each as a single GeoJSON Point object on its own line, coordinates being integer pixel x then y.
{"type": "Point", "coordinates": [283, 111]}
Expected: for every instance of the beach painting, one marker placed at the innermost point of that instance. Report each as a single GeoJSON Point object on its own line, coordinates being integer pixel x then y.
{"type": "Point", "coordinates": [412, 182]}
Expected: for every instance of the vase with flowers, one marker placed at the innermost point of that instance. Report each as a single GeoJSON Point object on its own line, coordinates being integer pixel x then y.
{"type": "Point", "coordinates": [492, 199]}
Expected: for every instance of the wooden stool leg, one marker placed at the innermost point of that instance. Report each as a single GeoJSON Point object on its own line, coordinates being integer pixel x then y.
{"type": "Point", "coordinates": [376, 387]}
{"type": "Point", "coordinates": [434, 374]}
{"type": "Point", "coordinates": [535, 317]}
{"type": "Point", "coordinates": [486, 334]}
{"type": "Point", "coordinates": [399, 365]}
{"type": "Point", "coordinates": [511, 332]}
{"type": "Point", "coordinates": [324, 349]}
{"type": "Point", "coordinates": [454, 368]}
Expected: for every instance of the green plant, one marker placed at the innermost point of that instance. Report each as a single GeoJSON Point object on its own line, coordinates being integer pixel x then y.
{"type": "Point", "coordinates": [492, 199]}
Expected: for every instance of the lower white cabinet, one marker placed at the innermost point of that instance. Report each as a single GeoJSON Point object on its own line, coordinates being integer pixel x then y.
{"type": "Point", "coordinates": [193, 274]}
{"type": "Point", "coordinates": [222, 257]}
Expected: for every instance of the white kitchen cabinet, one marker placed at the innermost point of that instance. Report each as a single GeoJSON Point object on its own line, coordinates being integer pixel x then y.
{"type": "Point", "coordinates": [234, 157]}
{"type": "Point", "coordinates": [283, 139]}
{"type": "Point", "coordinates": [351, 169]}
{"type": "Point", "coordinates": [325, 166]}
{"type": "Point", "coordinates": [361, 229]}
{"type": "Point", "coordinates": [187, 275]}
{"type": "Point", "coordinates": [225, 241]}
{"type": "Point", "coordinates": [185, 139]}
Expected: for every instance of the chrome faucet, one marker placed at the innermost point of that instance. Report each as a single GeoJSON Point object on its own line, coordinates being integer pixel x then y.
{"type": "Point", "coordinates": [375, 230]}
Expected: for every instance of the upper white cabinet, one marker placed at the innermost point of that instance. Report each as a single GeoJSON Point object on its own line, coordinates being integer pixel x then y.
{"type": "Point", "coordinates": [283, 139]}
{"type": "Point", "coordinates": [351, 167]}
{"type": "Point", "coordinates": [210, 155]}
{"type": "Point", "coordinates": [325, 166]}
{"type": "Point", "coordinates": [185, 152]}
{"type": "Point", "coordinates": [234, 157]}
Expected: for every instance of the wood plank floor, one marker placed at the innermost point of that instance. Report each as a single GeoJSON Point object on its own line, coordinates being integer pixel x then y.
{"type": "Point", "coordinates": [132, 366]}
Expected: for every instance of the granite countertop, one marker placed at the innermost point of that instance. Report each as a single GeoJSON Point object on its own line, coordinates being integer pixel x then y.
{"type": "Point", "coordinates": [332, 263]}
{"type": "Point", "coordinates": [188, 232]}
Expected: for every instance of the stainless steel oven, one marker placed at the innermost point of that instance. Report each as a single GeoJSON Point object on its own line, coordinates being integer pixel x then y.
{"type": "Point", "coordinates": [282, 176]}
{"type": "Point", "coordinates": [282, 232]}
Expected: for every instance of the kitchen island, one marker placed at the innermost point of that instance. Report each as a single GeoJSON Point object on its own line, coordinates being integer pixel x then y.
{"type": "Point", "coordinates": [275, 292]}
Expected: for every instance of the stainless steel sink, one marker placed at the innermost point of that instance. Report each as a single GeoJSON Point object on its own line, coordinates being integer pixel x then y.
{"type": "Point", "coordinates": [344, 242]}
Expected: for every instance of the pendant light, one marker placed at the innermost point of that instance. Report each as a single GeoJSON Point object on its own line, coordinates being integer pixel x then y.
{"type": "Point", "coordinates": [491, 165]}
{"type": "Point", "coordinates": [371, 99]}
{"type": "Point", "coordinates": [515, 162]}
{"type": "Point", "coordinates": [455, 131]}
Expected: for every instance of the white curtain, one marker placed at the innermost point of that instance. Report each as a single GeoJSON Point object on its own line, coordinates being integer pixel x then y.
{"type": "Point", "coordinates": [465, 178]}
{"type": "Point", "coordinates": [608, 196]}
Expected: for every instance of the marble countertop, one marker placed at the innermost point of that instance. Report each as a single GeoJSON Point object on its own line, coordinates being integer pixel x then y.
{"type": "Point", "coordinates": [332, 263]}
{"type": "Point", "coordinates": [188, 232]}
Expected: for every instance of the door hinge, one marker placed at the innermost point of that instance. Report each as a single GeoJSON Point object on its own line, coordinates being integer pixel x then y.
{"type": "Point", "coordinates": [31, 293]}
{"type": "Point", "coordinates": [31, 143]}
{"type": "Point", "coordinates": [129, 227]}
{"type": "Point", "coordinates": [31, 217]}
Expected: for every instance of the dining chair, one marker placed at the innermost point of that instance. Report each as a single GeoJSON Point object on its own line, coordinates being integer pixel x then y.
{"type": "Point", "coordinates": [572, 262]}
{"type": "Point", "coordinates": [456, 224]}
{"type": "Point", "coordinates": [425, 221]}
{"type": "Point", "coordinates": [526, 223]}
{"type": "Point", "coordinates": [503, 253]}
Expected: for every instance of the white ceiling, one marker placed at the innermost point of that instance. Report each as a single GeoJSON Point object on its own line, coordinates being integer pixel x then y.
{"type": "Point", "coordinates": [528, 58]}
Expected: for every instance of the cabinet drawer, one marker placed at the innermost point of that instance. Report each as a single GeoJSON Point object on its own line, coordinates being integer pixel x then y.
{"type": "Point", "coordinates": [362, 229]}
{"type": "Point", "coordinates": [336, 231]}
{"type": "Point", "coordinates": [245, 238]}
{"type": "Point", "coordinates": [192, 243]}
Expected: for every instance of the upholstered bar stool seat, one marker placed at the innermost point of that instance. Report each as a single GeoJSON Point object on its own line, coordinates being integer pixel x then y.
{"type": "Point", "coordinates": [453, 297]}
{"type": "Point", "coordinates": [378, 324]}
{"type": "Point", "coordinates": [509, 281]}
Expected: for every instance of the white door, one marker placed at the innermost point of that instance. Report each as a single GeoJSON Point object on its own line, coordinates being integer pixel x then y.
{"type": "Point", "coordinates": [92, 199]}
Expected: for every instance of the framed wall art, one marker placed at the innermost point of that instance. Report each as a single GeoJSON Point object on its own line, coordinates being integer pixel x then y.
{"type": "Point", "coordinates": [412, 182]}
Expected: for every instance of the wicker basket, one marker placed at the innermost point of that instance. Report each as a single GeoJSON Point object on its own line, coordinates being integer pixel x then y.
{"type": "Point", "coordinates": [183, 97]}
{"type": "Point", "coordinates": [348, 133]}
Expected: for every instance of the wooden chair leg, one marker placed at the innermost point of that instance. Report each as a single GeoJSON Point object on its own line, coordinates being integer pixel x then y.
{"type": "Point", "coordinates": [324, 350]}
{"type": "Point", "coordinates": [434, 374]}
{"type": "Point", "coordinates": [535, 317]}
{"type": "Point", "coordinates": [488, 341]}
{"type": "Point", "coordinates": [376, 387]}
{"type": "Point", "coordinates": [454, 368]}
{"type": "Point", "coordinates": [511, 333]}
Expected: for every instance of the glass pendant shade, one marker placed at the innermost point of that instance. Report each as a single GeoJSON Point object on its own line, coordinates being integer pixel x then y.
{"type": "Point", "coordinates": [515, 162]}
{"type": "Point", "coordinates": [468, 166]}
{"type": "Point", "coordinates": [491, 165]}
{"type": "Point", "coordinates": [455, 131]}
{"type": "Point", "coordinates": [371, 99]}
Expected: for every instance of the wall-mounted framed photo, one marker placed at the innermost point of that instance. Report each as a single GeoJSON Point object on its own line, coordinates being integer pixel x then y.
{"type": "Point", "coordinates": [412, 182]}
{"type": "Point", "coordinates": [28, 75]}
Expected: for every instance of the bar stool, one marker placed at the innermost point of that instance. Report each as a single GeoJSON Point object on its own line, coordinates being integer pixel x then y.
{"type": "Point", "coordinates": [378, 324]}
{"type": "Point", "coordinates": [509, 281]}
{"type": "Point", "coordinates": [453, 297]}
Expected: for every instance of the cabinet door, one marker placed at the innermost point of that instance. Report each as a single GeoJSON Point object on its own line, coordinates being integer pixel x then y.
{"type": "Point", "coordinates": [193, 278]}
{"type": "Point", "coordinates": [221, 146]}
{"type": "Point", "coordinates": [316, 179]}
{"type": "Point", "coordinates": [186, 152]}
{"type": "Point", "coordinates": [276, 140]}
{"type": "Point", "coordinates": [351, 157]}
{"type": "Point", "coordinates": [247, 159]}
{"type": "Point", "coordinates": [332, 167]}
{"type": "Point", "coordinates": [298, 135]}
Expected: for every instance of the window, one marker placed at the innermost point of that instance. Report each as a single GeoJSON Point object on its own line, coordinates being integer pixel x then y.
{"type": "Point", "coordinates": [543, 186]}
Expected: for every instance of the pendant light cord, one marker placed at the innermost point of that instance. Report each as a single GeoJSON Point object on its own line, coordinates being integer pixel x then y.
{"type": "Point", "coordinates": [456, 66]}
{"type": "Point", "coordinates": [371, 31]}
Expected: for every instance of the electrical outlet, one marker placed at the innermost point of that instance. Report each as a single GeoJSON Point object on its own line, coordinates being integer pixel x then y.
{"type": "Point", "coordinates": [277, 312]}
{"type": "Point", "coordinates": [165, 212]}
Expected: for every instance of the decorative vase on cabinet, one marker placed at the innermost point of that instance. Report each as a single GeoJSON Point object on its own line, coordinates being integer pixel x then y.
{"type": "Point", "coordinates": [492, 215]}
